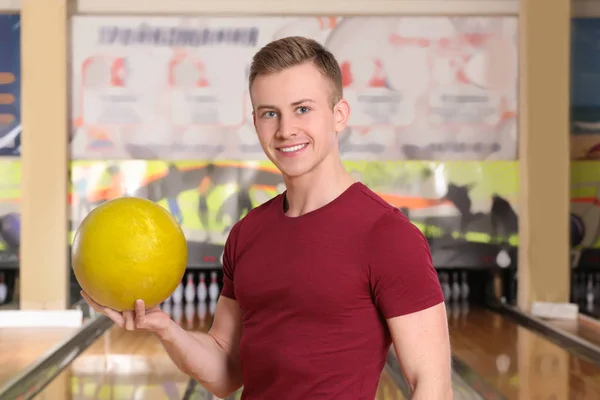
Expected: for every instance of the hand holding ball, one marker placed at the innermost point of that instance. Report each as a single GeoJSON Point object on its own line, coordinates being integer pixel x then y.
{"type": "Point", "coordinates": [128, 249]}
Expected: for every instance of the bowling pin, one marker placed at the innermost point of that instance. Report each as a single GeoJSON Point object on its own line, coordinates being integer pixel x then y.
{"type": "Point", "coordinates": [213, 289]}
{"type": "Point", "coordinates": [503, 259]}
{"type": "Point", "coordinates": [446, 286]}
{"type": "Point", "coordinates": [212, 307]}
{"type": "Point", "coordinates": [590, 290]}
{"type": "Point", "coordinates": [455, 287]}
{"type": "Point", "coordinates": [189, 314]}
{"type": "Point", "coordinates": [178, 294]}
{"type": "Point", "coordinates": [464, 287]}
{"type": "Point", "coordinates": [3, 289]}
{"type": "Point", "coordinates": [202, 310]}
{"type": "Point", "coordinates": [177, 313]}
{"type": "Point", "coordinates": [166, 307]}
{"type": "Point", "coordinates": [202, 290]}
{"type": "Point", "coordinates": [456, 310]}
{"type": "Point", "coordinates": [189, 291]}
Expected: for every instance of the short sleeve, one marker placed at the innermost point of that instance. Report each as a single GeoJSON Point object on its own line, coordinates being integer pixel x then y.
{"type": "Point", "coordinates": [229, 260]}
{"type": "Point", "coordinates": [401, 273]}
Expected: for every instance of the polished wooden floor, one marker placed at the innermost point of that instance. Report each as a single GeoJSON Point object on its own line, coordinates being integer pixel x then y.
{"type": "Point", "coordinates": [133, 365]}
{"type": "Point", "coordinates": [21, 347]}
{"type": "Point", "coordinates": [584, 327]}
{"type": "Point", "coordinates": [515, 361]}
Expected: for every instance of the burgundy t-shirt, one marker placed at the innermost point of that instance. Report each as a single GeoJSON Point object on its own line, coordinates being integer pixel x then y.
{"type": "Point", "coordinates": [315, 292]}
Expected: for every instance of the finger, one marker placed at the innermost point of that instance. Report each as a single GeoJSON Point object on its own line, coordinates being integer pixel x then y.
{"type": "Point", "coordinates": [97, 307]}
{"type": "Point", "coordinates": [140, 313]}
{"type": "Point", "coordinates": [115, 316]}
{"type": "Point", "coordinates": [129, 320]}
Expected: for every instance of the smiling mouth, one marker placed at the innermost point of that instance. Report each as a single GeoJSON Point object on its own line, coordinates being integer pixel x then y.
{"type": "Point", "coordinates": [292, 149]}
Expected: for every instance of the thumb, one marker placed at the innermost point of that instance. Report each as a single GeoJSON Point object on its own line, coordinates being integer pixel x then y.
{"type": "Point", "coordinates": [140, 314]}
{"type": "Point", "coordinates": [142, 319]}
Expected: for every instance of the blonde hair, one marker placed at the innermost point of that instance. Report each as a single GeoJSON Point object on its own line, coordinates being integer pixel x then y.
{"type": "Point", "coordinates": [295, 50]}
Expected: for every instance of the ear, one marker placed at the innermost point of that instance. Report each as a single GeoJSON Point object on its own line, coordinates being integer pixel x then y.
{"type": "Point", "coordinates": [341, 113]}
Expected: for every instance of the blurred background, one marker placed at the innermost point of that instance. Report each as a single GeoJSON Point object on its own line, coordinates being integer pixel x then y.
{"type": "Point", "coordinates": [480, 120]}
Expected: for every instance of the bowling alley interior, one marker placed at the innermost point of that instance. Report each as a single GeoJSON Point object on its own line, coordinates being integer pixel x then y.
{"type": "Point", "coordinates": [478, 120]}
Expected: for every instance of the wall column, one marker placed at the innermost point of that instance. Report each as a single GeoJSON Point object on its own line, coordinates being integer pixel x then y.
{"type": "Point", "coordinates": [44, 241]}
{"type": "Point", "coordinates": [544, 271]}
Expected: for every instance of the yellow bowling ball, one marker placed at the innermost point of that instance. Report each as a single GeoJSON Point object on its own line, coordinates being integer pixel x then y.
{"type": "Point", "coordinates": [126, 249]}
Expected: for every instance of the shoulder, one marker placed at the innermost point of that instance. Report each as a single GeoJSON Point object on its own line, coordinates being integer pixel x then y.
{"type": "Point", "coordinates": [371, 200]}
{"type": "Point", "coordinates": [381, 215]}
{"type": "Point", "coordinates": [389, 236]}
{"type": "Point", "coordinates": [393, 224]}
{"type": "Point", "coordinates": [395, 237]}
{"type": "Point", "coordinates": [257, 217]}
{"type": "Point", "coordinates": [400, 267]}
{"type": "Point", "coordinates": [364, 203]}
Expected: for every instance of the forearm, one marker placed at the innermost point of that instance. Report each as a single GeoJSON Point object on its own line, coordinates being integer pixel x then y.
{"type": "Point", "coordinates": [201, 356]}
{"type": "Point", "coordinates": [431, 390]}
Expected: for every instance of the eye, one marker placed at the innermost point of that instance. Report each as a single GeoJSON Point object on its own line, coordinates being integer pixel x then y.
{"type": "Point", "coordinates": [302, 110]}
{"type": "Point", "coordinates": [269, 114]}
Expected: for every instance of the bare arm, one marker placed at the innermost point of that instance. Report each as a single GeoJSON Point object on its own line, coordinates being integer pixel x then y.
{"type": "Point", "coordinates": [211, 358]}
{"type": "Point", "coordinates": [422, 345]}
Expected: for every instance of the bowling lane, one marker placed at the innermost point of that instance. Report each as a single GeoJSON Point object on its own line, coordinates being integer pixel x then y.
{"type": "Point", "coordinates": [584, 327]}
{"type": "Point", "coordinates": [387, 390]}
{"type": "Point", "coordinates": [20, 348]}
{"type": "Point", "coordinates": [517, 362]}
{"type": "Point", "coordinates": [134, 365]}
{"type": "Point", "coordinates": [124, 364]}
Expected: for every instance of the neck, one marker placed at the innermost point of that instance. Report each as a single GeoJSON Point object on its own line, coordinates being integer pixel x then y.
{"type": "Point", "coordinates": [316, 188]}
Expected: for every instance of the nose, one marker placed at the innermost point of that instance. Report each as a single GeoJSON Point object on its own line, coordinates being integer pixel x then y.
{"type": "Point", "coordinates": [287, 127]}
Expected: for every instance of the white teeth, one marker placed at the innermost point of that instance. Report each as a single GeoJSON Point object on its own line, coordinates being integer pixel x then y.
{"type": "Point", "coordinates": [293, 148]}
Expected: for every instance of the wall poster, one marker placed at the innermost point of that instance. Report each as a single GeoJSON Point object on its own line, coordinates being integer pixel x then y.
{"type": "Point", "coordinates": [585, 214]}
{"type": "Point", "coordinates": [467, 210]}
{"type": "Point", "coordinates": [168, 88]}
{"type": "Point", "coordinates": [10, 217]}
{"type": "Point", "coordinates": [10, 85]}
{"type": "Point", "coordinates": [585, 89]}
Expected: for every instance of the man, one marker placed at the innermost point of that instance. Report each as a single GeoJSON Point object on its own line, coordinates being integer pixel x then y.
{"type": "Point", "coordinates": [320, 280]}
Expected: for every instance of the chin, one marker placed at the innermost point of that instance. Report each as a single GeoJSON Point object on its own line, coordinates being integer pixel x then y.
{"type": "Point", "coordinates": [294, 172]}
{"type": "Point", "coordinates": [293, 169]}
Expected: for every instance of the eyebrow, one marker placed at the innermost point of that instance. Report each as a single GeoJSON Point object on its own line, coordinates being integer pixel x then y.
{"type": "Point", "coordinates": [295, 103]}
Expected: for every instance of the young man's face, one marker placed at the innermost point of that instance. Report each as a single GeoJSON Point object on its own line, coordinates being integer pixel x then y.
{"type": "Point", "coordinates": [296, 125]}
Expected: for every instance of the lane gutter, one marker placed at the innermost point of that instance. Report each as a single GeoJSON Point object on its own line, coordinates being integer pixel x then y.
{"type": "Point", "coordinates": [190, 389]}
{"type": "Point", "coordinates": [393, 368]}
{"type": "Point", "coordinates": [572, 343]}
{"type": "Point", "coordinates": [461, 376]}
{"type": "Point", "coordinates": [34, 379]}
{"type": "Point", "coordinates": [475, 382]}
